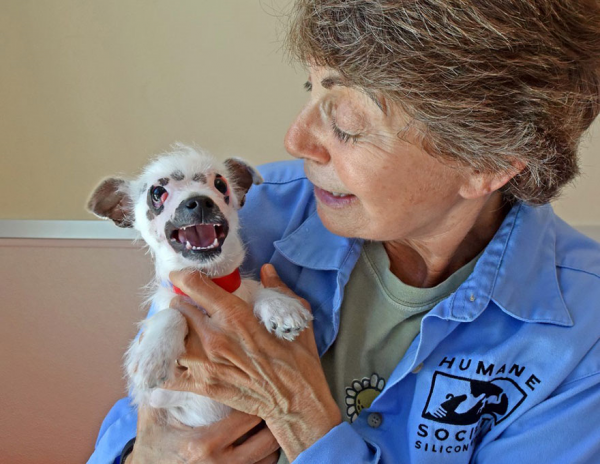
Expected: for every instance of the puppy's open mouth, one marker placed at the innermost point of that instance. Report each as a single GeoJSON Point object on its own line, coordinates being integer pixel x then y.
{"type": "Point", "coordinates": [197, 238]}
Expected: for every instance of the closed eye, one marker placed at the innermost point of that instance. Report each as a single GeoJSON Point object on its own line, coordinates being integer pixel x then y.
{"type": "Point", "coordinates": [342, 136]}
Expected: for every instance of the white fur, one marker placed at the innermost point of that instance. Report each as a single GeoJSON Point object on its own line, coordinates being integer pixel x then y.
{"type": "Point", "coordinates": [150, 359]}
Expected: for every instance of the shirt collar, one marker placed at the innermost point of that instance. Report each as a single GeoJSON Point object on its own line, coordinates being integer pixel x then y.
{"type": "Point", "coordinates": [312, 246]}
{"type": "Point", "coordinates": [517, 271]}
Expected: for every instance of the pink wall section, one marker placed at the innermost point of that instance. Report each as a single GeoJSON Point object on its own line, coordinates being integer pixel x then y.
{"type": "Point", "coordinates": [68, 309]}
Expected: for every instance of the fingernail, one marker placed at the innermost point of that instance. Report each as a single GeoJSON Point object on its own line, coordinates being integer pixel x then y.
{"type": "Point", "coordinates": [270, 270]}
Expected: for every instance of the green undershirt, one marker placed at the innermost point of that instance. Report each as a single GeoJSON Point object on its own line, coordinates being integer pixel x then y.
{"type": "Point", "coordinates": [379, 318]}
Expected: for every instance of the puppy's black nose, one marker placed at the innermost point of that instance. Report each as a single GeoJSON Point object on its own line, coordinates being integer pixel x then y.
{"type": "Point", "coordinates": [199, 203]}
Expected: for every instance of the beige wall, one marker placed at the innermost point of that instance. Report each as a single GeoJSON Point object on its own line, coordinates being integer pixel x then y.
{"type": "Point", "coordinates": [579, 202]}
{"type": "Point", "coordinates": [69, 308]}
{"type": "Point", "coordinates": [90, 88]}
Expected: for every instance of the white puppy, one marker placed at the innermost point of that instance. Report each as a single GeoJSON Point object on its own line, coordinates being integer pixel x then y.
{"type": "Point", "coordinates": [185, 205]}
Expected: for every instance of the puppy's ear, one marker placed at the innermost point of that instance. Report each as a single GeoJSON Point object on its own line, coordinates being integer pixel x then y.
{"type": "Point", "coordinates": [110, 200]}
{"type": "Point", "coordinates": [243, 177]}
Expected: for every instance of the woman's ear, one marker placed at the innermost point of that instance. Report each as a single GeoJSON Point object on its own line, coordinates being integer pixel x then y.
{"type": "Point", "coordinates": [111, 200]}
{"type": "Point", "coordinates": [480, 183]}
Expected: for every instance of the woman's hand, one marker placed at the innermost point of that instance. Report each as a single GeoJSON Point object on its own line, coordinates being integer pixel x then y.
{"type": "Point", "coordinates": [232, 358]}
{"type": "Point", "coordinates": [158, 442]}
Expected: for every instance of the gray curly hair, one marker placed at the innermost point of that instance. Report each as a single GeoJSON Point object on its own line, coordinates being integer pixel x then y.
{"type": "Point", "coordinates": [485, 82]}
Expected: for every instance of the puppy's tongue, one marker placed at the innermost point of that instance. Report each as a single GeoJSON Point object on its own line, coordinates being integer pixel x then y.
{"type": "Point", "coordinates": [201, 235]}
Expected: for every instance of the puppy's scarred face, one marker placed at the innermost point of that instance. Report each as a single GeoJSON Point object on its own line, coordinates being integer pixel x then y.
{"type": "Point", "coordinates": [185, 207]}
{"type": "Point", "coordinates": [198, 228]}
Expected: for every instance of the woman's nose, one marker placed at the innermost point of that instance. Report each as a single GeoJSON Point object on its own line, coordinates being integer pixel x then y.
{"type": "Point", "coordinates": [303, 138]}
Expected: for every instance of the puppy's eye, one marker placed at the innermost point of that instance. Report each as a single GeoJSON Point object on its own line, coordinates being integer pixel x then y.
{"type": "Point", "coordinates": [159, 195]}
{"type": "Point", "coordinates": [221, 185]}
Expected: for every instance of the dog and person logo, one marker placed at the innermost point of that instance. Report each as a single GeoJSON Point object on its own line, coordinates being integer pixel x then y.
{"type": "Point", "coordinates": [468, 400]}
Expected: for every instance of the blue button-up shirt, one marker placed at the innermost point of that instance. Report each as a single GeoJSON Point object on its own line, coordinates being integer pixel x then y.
{"type": "Point", "coordinates": [505, 370]}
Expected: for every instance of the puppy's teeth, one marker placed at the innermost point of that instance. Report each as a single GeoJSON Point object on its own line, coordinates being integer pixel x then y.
{"type": "Point", "coordinates": [188, 245]}
{"type": "Point", "coordinates": [215, 243]}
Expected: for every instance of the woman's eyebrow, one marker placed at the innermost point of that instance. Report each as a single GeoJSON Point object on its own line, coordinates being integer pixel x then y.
{"type": "Point", "coordinates": [376, 100]}
{"type": "Point", "coordinates": [330, 81]}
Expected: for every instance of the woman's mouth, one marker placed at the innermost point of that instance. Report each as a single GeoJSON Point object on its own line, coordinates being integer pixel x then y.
{"type": "Point", "coordinates": [334, 199]}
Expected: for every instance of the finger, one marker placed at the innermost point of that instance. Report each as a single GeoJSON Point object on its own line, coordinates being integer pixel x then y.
{"type": "Point", "coordinates": [149, 417]}
{"type": "Point", "coordinates": [180, 300]}
{"type": "Point", "coordinates": [271, 459]}
{"type": "Point", "coordinates": [220, 382]}
{"type": "Point", "coordinates": [145, 414]}
{"type": "Point", "coordinates": [234, 426]}
{"type": "Point", "coordinates": [203, 291]}
{"type": "Point", "coordinates": [270, 279]}
{"type": "Point", "coordinates": [257, 447]}
{"type": "Point", "coordinates": [197, 320]}
{"type": "Point", "coordinates": [205, 340]}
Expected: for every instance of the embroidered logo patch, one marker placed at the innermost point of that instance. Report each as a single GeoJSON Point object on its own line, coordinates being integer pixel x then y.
{"type": "Point", "coordinates": [467, 398]}
{"type": "Point", "coordinates": [462, 401]}
{"type": "Point", "coordinates": [361, 393]}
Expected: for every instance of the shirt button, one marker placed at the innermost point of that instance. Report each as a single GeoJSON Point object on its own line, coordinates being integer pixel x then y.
{"type": "Point", "coordinates": [417, 369]}
{"type": "Point", "coordinates": [374, 420]}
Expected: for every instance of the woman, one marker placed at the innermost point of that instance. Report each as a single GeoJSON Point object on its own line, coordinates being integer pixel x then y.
{"type": "Point", "coordinates": [455, 314]}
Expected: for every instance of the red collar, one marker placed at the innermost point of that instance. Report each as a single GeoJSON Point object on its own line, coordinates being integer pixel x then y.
{"type": "Point", "coordinates": [229, 283]}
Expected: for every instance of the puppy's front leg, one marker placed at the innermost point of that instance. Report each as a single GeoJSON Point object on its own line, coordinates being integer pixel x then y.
{"type": "Point", "coordinates": [150, 359]}
{"type": "Point", "coordinates": [281, 314]}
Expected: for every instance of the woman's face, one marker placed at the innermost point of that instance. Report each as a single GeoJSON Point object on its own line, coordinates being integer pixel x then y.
{"type": "Point", "coordinates": [390, 188]}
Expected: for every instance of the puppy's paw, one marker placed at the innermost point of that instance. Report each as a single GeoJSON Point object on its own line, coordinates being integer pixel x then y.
{"type": "Point", "coordinates": [282, 315]}
{"type": "Point", "coordinates": [145, 369]}
{"type": "Point", "coordinates": [150, 359]}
